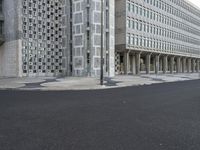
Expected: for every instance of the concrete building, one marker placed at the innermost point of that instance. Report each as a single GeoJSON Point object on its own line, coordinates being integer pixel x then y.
{"type": "Point", "coordinates": [63, 37]}
{"type": "Point", "coordinates": [55, 37]}
{"type": "Point", "coordinates": [157, 36]}
{"type": "Point", "coordinates": [85, 41]}
{"type": "Point", "coordinates": [33, 38]}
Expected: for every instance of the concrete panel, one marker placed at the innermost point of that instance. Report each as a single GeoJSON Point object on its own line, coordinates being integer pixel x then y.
{"type": "Point", "coordinates": [11, 59]}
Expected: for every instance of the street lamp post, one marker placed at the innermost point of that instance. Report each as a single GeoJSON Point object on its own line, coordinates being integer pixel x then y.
{"type": "Point", "coordinates": [102, 61]}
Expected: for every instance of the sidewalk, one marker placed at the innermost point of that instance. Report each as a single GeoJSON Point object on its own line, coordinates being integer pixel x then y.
{"type": "Point", "coordinates": [86, 83]}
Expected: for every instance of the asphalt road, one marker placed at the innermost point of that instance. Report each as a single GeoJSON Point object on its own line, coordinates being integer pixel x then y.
{"type": "Point", "coordinates": [155, 117]}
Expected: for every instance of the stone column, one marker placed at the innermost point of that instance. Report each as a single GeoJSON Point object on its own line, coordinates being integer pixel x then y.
{"type": "Point", "coordinates": [188, 65]}
{"type": "Point", "coordinates": [171, 64]}
{"type": "Point", "coordinates": [153, 63]}
{"type": "Point", "coordinates": [133, 65]}
{"type": "Point", "coordinates": [165, 64]}
{"type": "Point", "coordinates": [126, 62]}
{"type": "Point", "coordinates": [183, 65]}
{"type": "Point", "coordinates": [157, 64]}
{"type": "Point", "coordinates": [148, 63]}
{"type": "Point", "coordinates": [137, 63]}
{"type": "Point", "coordinates": [193, 65]}
{"type": "Point", "coordinates": [161, 64]}
{"type": "Point", "coordinates": [178, 63]}
{"type": "Point", "coordinates": [198, 65]}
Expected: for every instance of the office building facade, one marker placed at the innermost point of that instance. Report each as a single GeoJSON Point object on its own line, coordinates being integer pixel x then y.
{"type": "Point", "coordinates": [63, 37]}
{"type": "Point", "coordinates": [55, 37]}
{"type": "Point", "coordinates": [157, 36]}
{"type": "Point", "coordinates": [33, 38]}
{"type": "Point", "coordinates": [85, 41]}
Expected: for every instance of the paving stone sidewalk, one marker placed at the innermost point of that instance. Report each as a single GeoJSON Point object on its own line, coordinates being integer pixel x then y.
{"type": "Point", "coordinates": [87, 83]}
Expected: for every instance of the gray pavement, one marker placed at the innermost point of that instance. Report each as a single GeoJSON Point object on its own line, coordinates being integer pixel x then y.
{"type": "Point", "coordinates": [85, 83]}
{"type": "Point", "coordinates": [151, 117]}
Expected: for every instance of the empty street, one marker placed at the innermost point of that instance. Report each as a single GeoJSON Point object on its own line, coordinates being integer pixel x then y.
{"type": "Point", "coordinates": [155, 117]}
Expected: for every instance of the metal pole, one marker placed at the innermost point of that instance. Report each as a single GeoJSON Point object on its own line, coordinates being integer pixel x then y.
{"type": "Point", "coordinates": [101, 76]}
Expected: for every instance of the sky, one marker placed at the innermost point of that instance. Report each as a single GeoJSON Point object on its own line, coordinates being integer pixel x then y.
{"type": "Point", "coordinates": [196, 2]}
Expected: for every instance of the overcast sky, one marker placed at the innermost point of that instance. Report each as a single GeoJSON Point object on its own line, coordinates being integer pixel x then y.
{"type": "Point", "coordinates": [196, 2]}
